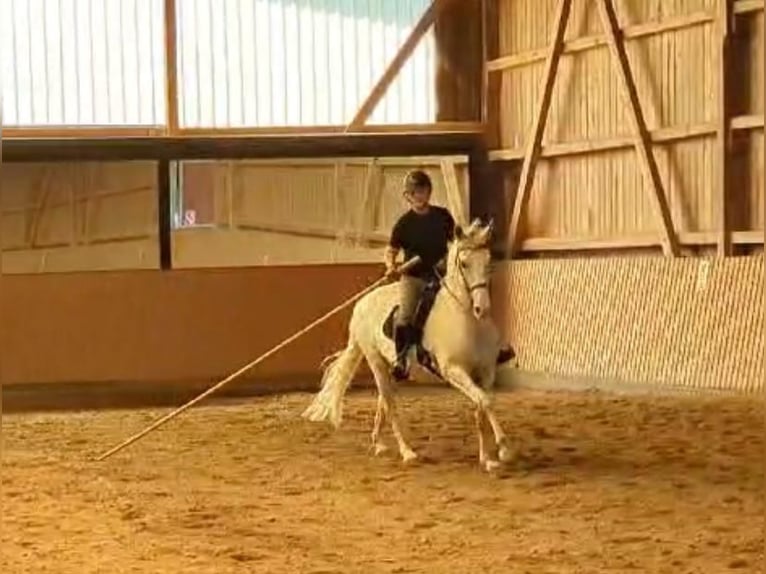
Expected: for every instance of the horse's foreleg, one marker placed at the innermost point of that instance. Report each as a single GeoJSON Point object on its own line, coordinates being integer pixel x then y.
{"type": "Point", "coordinates": [462, 381]}
{"type": "Point", "coordinates": [505, 451]}
{"type": "Point", "coordinates": [481, 429]}
{"type": "Point", "coordinates": [383, 381]}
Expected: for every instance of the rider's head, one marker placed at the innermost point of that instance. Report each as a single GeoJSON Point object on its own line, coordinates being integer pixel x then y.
{"type": "Point", "coordinates": [417, 189]}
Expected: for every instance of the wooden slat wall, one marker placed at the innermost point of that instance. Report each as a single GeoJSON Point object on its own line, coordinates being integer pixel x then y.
{"type": "Point", "coordinates": [305, 212]}
{"type": "Point", "coordinates": [103, 215]}
{"type": "Point", "coordinates": [78, 216]}
{"type": "Point", "coordinates": [601, 194]}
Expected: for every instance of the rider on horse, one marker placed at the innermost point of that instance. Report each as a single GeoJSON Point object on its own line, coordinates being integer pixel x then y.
{"type": "Point", "coordinates": [425, 230]}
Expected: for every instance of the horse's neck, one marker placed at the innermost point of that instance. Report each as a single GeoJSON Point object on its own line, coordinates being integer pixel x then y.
{"type": "Point", "coordinates": [456, 289]}
{"type": "Point", "coordinates": [450, 328]}
{"type": "Point", "coordinates": [453, 298]}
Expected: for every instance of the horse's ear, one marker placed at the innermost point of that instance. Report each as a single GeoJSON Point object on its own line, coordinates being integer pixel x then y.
{"type": "Point", "coordinates": [486, 233]}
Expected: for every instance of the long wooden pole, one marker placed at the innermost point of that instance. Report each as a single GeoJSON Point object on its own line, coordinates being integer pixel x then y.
{"type": "Point", "coordinates": [251, 364]}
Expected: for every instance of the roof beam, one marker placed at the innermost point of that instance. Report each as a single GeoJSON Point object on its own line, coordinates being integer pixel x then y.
{"type": "Point", "coordinates": [324, 145]}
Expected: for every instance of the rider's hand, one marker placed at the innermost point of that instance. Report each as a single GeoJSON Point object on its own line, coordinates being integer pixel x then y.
{"type": "Point", "coordinates": [392, 272]}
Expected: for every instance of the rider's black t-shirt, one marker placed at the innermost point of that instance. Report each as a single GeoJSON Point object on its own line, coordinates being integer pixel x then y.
{"type": "Point", "coordinates": [426, 235]}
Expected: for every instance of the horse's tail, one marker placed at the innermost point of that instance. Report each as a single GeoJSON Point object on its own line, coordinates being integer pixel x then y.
{"type": "Point", "coordinates": [339, 370]}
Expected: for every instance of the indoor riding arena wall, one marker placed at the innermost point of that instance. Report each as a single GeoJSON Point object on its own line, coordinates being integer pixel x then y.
{"type": "Point", "coordinates": [589, 191]}
{"type": "Point", "coordinates": [690, 323]}
{"type": "Point", "coordinates": [590, 296]}
{"type": "Point", "coordinates": [272, 246]}
{"type": "Point", "coordinates": [590, 293]}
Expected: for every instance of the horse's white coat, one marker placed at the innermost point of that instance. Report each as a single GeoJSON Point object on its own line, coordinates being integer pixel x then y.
{"type": "Point", "coordinates": [459, 334]}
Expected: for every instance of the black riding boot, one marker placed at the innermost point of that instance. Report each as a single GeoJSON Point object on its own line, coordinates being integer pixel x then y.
{"type": "Point", "coordinates": [402, 342]}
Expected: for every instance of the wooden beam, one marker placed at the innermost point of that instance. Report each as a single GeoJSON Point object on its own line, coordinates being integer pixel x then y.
{"type": "Point", "coordinates": [590, 243]}
{"type": "Point", "coordinates": [369, 239]}
{"type": "Point", "coordinates": [535, 137]}
{"type": "Point", "coordinates": [459, 126]}
{"type": "Point", "coordinates": [459, 58]}
{"type": "Point", "coordinates": [586, 43]}
{"type": "Point", "coordinates": [34, 226]}
{"type": "Point", "coordinates": [639, 241]}
{"type": "Point", "coordinates": [171, 67]}
{"type": "Point", "coordinates": [401, 57]}
{"type": "Point", "coordinates": [454, 196]}
{"type": "Point", "coordinates": [241, 147]}
{"type": "Point", "coordinates": [658, 136]}
{"type": "Point", "coordinates": [16, 132]}
{"type": "Point", "coordinates": [82, 199]}
{"type": "Point", "coordinates": [749, 122]}
{"type": "Point", "coordinates": [164, 228]}
{"type": "Point", "coordinates": [490, 112]}
{"type": "Point", "coordinates": [747, 6]}
{"type": "Point", "coordinates": [84, 132]}
{"type": "Point", "coordinates": [725, 25]}
{"type": "Point", "coordinates": [640, 132]}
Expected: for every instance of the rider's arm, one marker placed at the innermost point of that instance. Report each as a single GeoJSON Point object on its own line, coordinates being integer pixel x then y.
{"type": "Point", "coordinates": [394, 247]}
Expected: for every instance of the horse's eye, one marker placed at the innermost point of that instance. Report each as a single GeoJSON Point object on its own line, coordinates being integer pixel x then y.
{"type": "Point", "coordinates": [464, 265]}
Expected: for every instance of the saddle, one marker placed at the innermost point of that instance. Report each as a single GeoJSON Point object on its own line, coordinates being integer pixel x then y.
{"type": "Point", "coordinates": [423, 309]}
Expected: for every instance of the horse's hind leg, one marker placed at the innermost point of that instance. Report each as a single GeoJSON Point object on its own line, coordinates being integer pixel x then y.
{"type": "Point", "coordinates": [379, 369]}
{"type": "Point", "coordinates": [376, 443]}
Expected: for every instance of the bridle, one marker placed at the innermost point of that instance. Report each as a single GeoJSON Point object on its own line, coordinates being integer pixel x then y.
{"type": "Point", "coordinates": [469, 288]}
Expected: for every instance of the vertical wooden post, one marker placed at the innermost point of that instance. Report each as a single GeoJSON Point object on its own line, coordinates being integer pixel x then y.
{"type": "Point", "coordinates": [641, 134]}
{"type": "Point", "coordinates": [164, 214]}
{"type": "Point", "coordinates": [724, 136]}
{"type": "Point", "coordinates": [534, 141]}
{"type": "Point", "coordinates": [459, 62]}
{"type": "Point", "coordinates": [171, 67]}
{"type": "Point", "coordinates": [490, 105]}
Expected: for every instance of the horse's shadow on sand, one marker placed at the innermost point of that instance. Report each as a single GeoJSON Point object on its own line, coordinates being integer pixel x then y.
{"type": "Point", "coordinates": [559, 463]}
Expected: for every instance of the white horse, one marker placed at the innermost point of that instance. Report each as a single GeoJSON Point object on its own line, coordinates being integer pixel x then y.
{"type": "Point", "coordinates": [459, 335]}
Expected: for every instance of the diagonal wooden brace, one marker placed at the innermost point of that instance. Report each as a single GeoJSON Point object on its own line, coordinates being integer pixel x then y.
{"type": "Point", "coordinates": [642, 139]}
{"type": "Point", "coordinates": [534, 143]}
{"type": "Point", "coordinates": [378, 91]}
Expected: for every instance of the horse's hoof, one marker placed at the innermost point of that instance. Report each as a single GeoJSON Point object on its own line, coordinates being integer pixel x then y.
{"type": "Point", "coordinates": [409, 457]}
{"type": "Point", "coordinates": [506, 454]}
{"type": "Point", "coordinates": [379, 449]}
{"type": "Point", "coordinates": [492, 465]}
